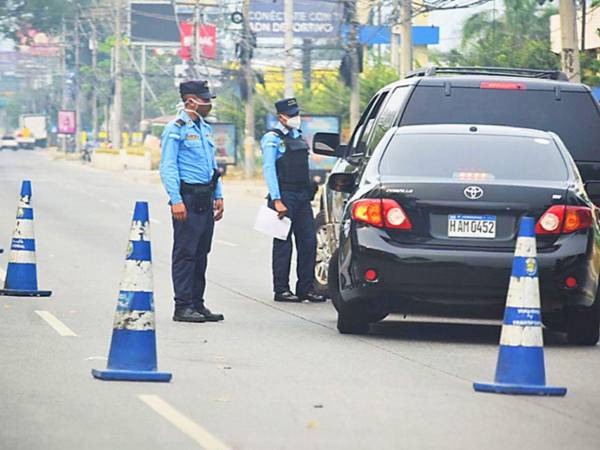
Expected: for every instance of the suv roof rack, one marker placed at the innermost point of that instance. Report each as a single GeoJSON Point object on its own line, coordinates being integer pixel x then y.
{"type": "Point", "coordinates": [431, 71]}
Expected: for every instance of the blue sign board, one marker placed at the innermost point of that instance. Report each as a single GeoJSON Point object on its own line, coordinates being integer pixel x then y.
{"type": "Point", "coordinates": [373, 35]}
{"type": "Point", "coordinates": [267, 18]}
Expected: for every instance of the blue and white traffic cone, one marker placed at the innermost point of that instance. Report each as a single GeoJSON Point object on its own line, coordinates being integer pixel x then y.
{"type": "Point", "coordinates": [132, 355]}
{"type": "Point", "coordinates": [520, 368]}
{"type": "Point", "coordinates": [21, 273]}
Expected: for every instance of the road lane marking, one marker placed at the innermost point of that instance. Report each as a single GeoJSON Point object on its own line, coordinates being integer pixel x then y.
{"type": "Point", "coordinates": [58, 326]}
{"type": "Point", "coordinates": [230, 244]}
{"type": "Point", "coordinates": [186, 425]}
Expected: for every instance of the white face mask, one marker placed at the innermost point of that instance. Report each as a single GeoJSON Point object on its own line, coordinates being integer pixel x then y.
{"type": "Point", "coordinates": [294, 122]}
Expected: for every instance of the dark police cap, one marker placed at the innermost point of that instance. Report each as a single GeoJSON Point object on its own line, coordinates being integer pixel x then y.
{"type": "Point", "coordinates": [196, 87]}
{"type": "Point", "coordinates": [287, 106]}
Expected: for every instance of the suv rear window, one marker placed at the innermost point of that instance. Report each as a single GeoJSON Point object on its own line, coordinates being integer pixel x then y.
{"type": "Point", "coordinates": [575, 117]}
{"type": "Point", "coordinates": [473, 157]}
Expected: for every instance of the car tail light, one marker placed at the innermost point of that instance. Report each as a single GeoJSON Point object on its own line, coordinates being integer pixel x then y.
{"type": "Point", "coordinates": [381, 213]}
{"type": "Point", "coordinates": [503, 85]}
{"type": "Point", "coordinates": [564, 219]}
{"type": "Point", "coordinates": [570, 282]}
{"type": "Point", "coordinates": [371, 275]}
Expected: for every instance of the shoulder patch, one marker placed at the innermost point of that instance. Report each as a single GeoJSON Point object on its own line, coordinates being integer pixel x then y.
{"type": "Point", "coordinates": [179, 122]}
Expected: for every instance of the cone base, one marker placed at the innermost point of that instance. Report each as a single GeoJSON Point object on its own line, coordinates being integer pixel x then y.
{"type": "Point", "coordinates": [519, 389]}
{"type": "Point", "coordinates": [131, 375]}
{"type": "Point", "coordinates": [24, 293]}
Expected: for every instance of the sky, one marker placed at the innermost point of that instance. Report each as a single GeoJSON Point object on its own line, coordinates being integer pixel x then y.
{"type": "Point", "coordinates": [451, 23]}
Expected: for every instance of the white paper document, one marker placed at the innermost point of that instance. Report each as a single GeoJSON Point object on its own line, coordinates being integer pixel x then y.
{"type": "Point", "coordinates": [268, 223]}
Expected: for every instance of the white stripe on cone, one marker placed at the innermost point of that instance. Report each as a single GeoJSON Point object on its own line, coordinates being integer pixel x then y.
{"type": "Point", "coordinates": [21, 257]}
{"type": "Point", "coordinates": [134, 320]}
{"type": "Point", "coordinates": [523, 292]}
{"type": "Point", "coordinates": [526, 247]}
{"type": "Point", "coordinates": [137, 276]}
{"type": "Point", "coordinates": [140, 231]}
{"type": "Point", "coordinates": [520, 336]}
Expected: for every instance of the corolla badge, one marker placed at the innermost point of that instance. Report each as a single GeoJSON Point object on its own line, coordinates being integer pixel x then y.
{"type": "Point", "coordinates": [473, 192]}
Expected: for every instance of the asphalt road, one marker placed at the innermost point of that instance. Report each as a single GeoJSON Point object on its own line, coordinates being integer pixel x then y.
{"type": "Point", "coordinates": [272, 376]}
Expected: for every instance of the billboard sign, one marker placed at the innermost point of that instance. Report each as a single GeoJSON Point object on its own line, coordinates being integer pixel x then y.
{"type": "Point", "coordinates": [207, 40]}
{"type": "Point", "coordinates": [224, 137]}
{"type": "Point", "coordinates": [312, 124]}
{"type": "Point", "coordinates": [66, 122]}
{"type": "Point", "coordinates": [267, 18]}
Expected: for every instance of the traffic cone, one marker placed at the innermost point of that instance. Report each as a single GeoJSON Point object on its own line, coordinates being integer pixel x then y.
{"type": "Point", "coordinates": [132, 355]}
{"type": "Point", "coordinates": [21, 273]}
{"type": "Point", "coordinates": [520, 368]}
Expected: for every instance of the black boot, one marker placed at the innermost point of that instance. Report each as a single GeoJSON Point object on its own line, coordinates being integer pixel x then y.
{"type": "Point", "coordinates": [208, 315]}
{"type": "Point", "coordinates": [313, 297]}
{"type": "Point", "coordinates": [188, 314]}
{"type": "Point", "coordinates": [286, 296]}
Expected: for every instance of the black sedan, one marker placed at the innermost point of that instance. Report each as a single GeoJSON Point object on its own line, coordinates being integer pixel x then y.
{"type": "Point", "coordinates": [431, 225]}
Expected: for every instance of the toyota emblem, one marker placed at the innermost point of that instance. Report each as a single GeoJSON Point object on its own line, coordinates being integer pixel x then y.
{"type": "Point", "coordinates": [473, 192]}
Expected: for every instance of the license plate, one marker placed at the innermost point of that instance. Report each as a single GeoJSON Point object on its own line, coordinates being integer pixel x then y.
{"type": "Point", "coordinates": [468, 226]}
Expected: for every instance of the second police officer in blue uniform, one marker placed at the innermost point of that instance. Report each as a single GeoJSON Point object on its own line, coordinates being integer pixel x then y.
{"type": "Point", "coordinates": [189, 172]}
{"type": "Point", "coordinates": [285, 168]}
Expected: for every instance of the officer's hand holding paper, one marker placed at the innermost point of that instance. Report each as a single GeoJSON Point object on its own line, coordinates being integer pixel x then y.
{"type": "Point", "coordinates": [269, 223]}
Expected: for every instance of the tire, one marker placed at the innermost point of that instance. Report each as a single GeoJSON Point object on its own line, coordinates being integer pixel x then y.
{"type": "Point", "coordinates": [334, 281]}
{"type": "Point", "coordinates": [323, 259]}
{"type": "Point", "coordinates": [352, 320]}
{"type": "Point", "coordinates": [583, 326]}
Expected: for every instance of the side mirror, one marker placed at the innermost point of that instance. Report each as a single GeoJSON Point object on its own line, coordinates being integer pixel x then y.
{"type": "Point", "coordinates": [593, 191]}
{"type": "Point", "coordinates": [328, 144]}
{"type": "Point", "coordinates": [342, 182]}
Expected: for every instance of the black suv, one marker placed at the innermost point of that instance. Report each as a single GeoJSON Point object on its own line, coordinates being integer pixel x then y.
{"type": "Point", "coordinates": [522, 98]}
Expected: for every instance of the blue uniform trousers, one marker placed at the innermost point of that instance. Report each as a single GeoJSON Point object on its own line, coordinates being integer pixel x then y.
{"type": "Point", "coordinates": [303, 229]}
{"type": "Point", "coordinates": [192, 240]}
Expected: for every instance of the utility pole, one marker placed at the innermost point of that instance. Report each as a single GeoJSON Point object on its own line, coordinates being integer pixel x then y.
{"type": "Point", "coordinates": [570, 49]}
{"type": "Point", "coordinates": [249, 80]}
{"type": "Point", "coordinates": [407, 45]}
{"type": "Point", "coordinates": [354, 49]}
{"type": "Point", "coordinates": [289, 48]}
{"type": "Point", "coordinates": [118, 99]}
{"type": "Point", "coordinates": [307, 63]}
{"type": "Point", "coordinates": [143, 84]}
{"type": "Point", "coordinates": [77, 87]}
{"type": "Point", "coordinates": [95, 81]}
{"type": "Point", "coordinates": [63, 72]}
{"type": "Point", "coordinates": [196, 31]}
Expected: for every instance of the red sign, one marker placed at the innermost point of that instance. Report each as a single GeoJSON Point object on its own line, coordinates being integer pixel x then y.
{"type": "Point", "coordinates": [207, 40]}
{"type": "Point", "coordinates": [66, 122]}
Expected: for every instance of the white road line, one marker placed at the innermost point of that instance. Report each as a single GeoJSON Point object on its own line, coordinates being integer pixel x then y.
{"type": "Point", "coordinates": [58, 326]}
{"type": "Point", "coordinates": [155, 221]}
{"type": "Point", "coordinates": [230, 244]}
{"type": "Point", "coordinates": [186, 425]}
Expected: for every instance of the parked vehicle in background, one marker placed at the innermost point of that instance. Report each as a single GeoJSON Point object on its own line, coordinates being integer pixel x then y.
{"type": "Point", "coordinates": [9, 142]}
{"type": "Point", "coordinates": [36, 124]}
{"type": "Point", "coordinates": [524, 98]}
{"type": "Point", "coordinates": [26, 142]}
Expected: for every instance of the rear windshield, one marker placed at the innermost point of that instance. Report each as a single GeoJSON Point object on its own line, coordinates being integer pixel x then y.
{"type": "Point", "coordinates": [473, 157]}
{"type": "Point", "coordinates": [575, 117]}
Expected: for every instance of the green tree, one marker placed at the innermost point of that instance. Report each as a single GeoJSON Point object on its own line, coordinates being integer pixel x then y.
{"type": "Point", "coordinates": [520, 37]}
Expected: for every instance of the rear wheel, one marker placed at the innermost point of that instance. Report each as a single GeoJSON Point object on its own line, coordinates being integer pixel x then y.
{"type": "Point", "coordinates": [583, 326]}
{"type": "Point", "coordinates": [323, 256]}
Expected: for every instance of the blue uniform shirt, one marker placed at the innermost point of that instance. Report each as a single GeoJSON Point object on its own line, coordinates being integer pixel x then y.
{"type": "Point", "coordinates": [188, 154]}
{"type": "Point", "coordinates": [273, 148]}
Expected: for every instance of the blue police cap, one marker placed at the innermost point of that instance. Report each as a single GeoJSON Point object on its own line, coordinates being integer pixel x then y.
{"type": "Point", "coordinates": [287, 106]}
{"type": "Point", "coordinates": [196, 87]}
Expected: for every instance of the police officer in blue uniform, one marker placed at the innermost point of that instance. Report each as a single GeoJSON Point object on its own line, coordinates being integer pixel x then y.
{"type": "Point", "coordinates": [285, 168]}
{"type": "Point", "coordinates": [190, 175]}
